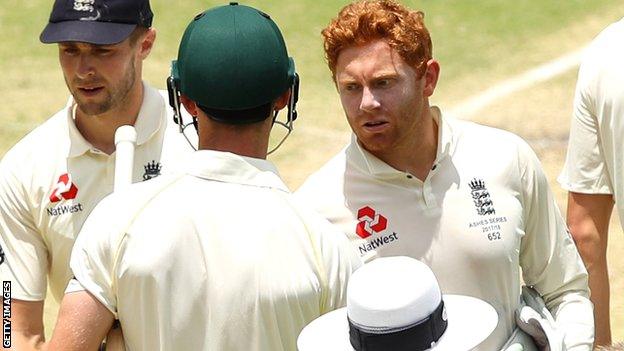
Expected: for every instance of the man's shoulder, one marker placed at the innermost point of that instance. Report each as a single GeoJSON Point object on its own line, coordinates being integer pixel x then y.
{"type": "Point", "coordinates": [323, 190]}
{"type": "Point", "coordinates": [41, 144]}
{"type": "Point", "coordinates": [133, 199]}
{"type": "Point", "coordinates": [608, 37]}
{"type": "Point", "coordinates": [146, 190]}
{"type": "Point", "coordinates": [602, 60]}
{"type": "Point", "coordinates": [479, 146]}
{"type": "Point", "coordinates": [328, 177]}
{"type": "Point", "coordinates": [107, 226]}
{"type": "Point", "coordinates": [470, 133]}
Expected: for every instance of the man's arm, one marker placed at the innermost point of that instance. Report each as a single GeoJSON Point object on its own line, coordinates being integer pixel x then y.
{"type": "Point", "coordinates": [27, 325]}
{"type": "Point", "coordinates": [550, 260]}
{"type": "Point", "coordinates": [588, 219]}
{"type": "Point", "coordinates": [90, 301]}
{"type": "Point", "coordinates": [24, 259]}
{"type": "Point", "coordinates": [340, 261]}
{"type": "Point", "coordinates": [82, 323]}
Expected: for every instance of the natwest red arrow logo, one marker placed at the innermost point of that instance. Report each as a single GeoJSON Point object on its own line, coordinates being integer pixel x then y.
{"type": "Point", "coordinates": [370, 222]}
{"type": "Point", "coordinates": [65, 189]}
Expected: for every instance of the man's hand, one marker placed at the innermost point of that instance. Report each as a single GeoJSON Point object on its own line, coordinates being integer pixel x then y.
{"type": "Point", "coordinates": [82, 324]}
{"type": "Point", "coordinates": [27, 325]}
{"type": "Point", "coordinates": [115, 340]}
{"type": "Point", "coordinates": [588, 219]}
{"type": "Point", "coordinates": [542, 330]}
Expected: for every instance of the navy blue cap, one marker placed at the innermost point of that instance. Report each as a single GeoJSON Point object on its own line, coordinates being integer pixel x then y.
{"type": "Point", "coordinates": [100, 22]}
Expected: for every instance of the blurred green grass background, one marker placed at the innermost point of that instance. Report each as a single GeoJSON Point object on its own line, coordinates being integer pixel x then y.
{"type": "Point", "coordinates": [477, 43]}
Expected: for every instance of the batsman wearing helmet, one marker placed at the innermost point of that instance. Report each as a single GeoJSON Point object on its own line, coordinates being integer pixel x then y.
{"type": "Point", "coordinates": [218, 257]}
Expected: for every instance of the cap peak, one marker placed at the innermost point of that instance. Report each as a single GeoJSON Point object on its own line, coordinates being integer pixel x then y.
{"type": "Point", "coordinates": [100, 22]}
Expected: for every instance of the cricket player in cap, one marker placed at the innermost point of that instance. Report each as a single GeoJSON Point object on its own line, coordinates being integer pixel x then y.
{"type": "Point", "coordinates": [470, 201]}
{"type": "Point", "coordinates": [52, 179]}
{"type": "Point", "coordinates": [219, 257]}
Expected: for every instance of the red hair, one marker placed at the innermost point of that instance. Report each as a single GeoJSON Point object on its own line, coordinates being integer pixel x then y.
{"type": "Point", "coordinates": [362, 22]}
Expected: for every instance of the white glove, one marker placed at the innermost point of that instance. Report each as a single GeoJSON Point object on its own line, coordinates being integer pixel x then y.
{"type": "Point", "coordinates": [519, 341]}
{"type": "Point", "coordinates": [535, 320]}
{"type": "Point", "coordinates": [514, 347]}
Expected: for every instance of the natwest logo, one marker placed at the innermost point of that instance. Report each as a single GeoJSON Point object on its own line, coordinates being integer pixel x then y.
{"type": "Point", "coordinates": [64, 189]}
{"type": "Point", "coordinates": [370, 222]}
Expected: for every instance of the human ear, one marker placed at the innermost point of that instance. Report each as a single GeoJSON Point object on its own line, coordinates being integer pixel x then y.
{"type": "Point", "coordinates": [282, 100]}
{"type": "Point", "coordinates": [147, 43]}
{"type": "Point", "coordinates": [431, 77]}
{"type": "Point", "coordinates": [189, 105]}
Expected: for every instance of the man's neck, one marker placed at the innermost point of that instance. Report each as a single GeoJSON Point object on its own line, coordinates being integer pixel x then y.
{"type": "Point", "coordinates": [99, 130]}
{"type": "Point", "coordinates": [250, 141]}
{"type": "Point", "coordinates": [246, 150]}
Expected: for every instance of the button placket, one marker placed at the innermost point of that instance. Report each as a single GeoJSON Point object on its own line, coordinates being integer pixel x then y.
{"type": "Point", "coordinates": [416, 186]}
{"type": "Point", "coordinates": [428, 194]}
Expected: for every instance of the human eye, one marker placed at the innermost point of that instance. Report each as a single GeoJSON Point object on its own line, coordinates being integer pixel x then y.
{"type": "Point", "coordinates": [69, 50]}
{"type": "Point", "coordinates": [103, 51]}
{"type": "Point", "coordinates": [350, 87]}
{"type": "Point", "coordinates": [383, 82]}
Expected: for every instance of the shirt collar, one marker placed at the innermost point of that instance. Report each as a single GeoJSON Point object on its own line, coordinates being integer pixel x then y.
{"type": "Point", "coordinates": [232, 168]}
{"type": "Point", "coordinates": [376, 167]}
{"type": "Point", "coordinates": [446, 135]}
{"type": "Point", "coordinates": [150, 119]}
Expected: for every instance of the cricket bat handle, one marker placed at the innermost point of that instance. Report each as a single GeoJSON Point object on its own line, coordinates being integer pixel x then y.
{"type": "Point", "coordinates": [125, 141]}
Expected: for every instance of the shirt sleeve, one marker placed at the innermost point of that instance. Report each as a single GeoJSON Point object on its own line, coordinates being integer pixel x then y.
{"type": "Point", "coordinates": [549, 259]}
{"type": "Point", "coordinates": [341, 260]}
{"type": "Point", "coordinates": [24, 254]}
{"type": "Point", "coordinates": [94, 256]}
{"type": "Point", "coordinates": [585, 169]}
{"type": "Point", "coordinates": [336, 261]}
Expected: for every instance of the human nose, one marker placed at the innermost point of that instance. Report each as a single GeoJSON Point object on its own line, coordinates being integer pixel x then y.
{"type": "Point", "coordinates": [369, 101]}
{"type": "Point", "coordinates": [85, 66]}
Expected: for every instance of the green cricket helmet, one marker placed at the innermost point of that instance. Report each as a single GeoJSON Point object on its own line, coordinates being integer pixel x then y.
{"type": "Point", "coordinates": [233, 58]}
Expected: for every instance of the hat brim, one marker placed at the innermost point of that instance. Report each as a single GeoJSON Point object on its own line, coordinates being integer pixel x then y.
{"type": "Point", "coordinates": [470, 322]}
{"type": "Point", "coordinates": [93, 32]}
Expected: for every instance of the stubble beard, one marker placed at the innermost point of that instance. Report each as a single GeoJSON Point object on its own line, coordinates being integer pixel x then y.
{"type": "Point", "coordinates": [114, 97]}
{"type": "Point", "coordinates": [397, 137]}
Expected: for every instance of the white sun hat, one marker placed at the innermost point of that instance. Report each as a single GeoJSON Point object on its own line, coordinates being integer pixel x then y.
{"type": "Point", "coordinates": [395, 304]}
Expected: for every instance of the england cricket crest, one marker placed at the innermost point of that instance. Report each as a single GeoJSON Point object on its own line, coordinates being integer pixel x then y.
{"type": "Point", "coordinates": [481, 197]}
{"type": "Point", "coordinates": [84, 5]}
{"type": "Point", "coordinates": [152, 170]}
{"type": "Point", "coordinates": [87, 6]}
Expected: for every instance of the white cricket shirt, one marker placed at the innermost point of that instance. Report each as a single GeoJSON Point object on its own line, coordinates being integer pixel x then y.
{"type": "Point", "coordinates": [51, 180]}
{"type": "Point", "coordinates": [484, 212]}
{"type": "Point", "coordinates": [219, 258]}
{"type": "Point", "coordinates": [595, 161]}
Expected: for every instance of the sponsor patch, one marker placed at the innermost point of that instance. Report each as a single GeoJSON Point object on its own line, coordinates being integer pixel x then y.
{"type": "Point", "coordinates": [65, 189]}
{"type": "Point", "coordinates": [370, 224]}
